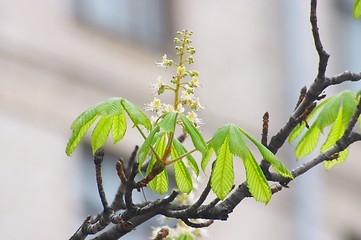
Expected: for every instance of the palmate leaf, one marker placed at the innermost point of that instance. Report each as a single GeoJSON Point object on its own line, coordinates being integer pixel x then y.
{"type": "Point", "coordinates": [300, 127]}
{"type": "Point", "coordinates": [206, 157]}
{"type": "Point", "coordinates": [160, 182]}
{"type": "Point", "coordinates": [112, 120]}
{"type": "Point", "coordinates": [357, 9]}
{"type": "Point", "coordinates": [185, 236]}
{"type": "Point", "coordinates": [336, 111]}
{"type": "Point", "coordinates": [196, 136]}
{"type": "Point", "coordinates": [159, 148]}
{"type": "Point", "coordinates": [119, 127]}
{"type": "Point", "coordinates": [78, 134]}
{"type": "Point", "coordinates": [169, 121]}
{"type": "Point", "coordinates": [145, 148]}
{"type": "Point", "coordinates": [180, 150]}
{"type": "Point", "coordinates": [328, 113]}
{"type": "Point", "coordinates": [308, 142]}
{"type": "Point", "coordinates": [101, 132]}
{"type": "Point", "coordinates": [136, 115]}
{"type": "Point", "coordinates": [222, 176]}
{"type": "Point", "coordinates": [108, 109]}
{"type": "Point", "coordinates": [231, 136]}
{"type": "Point", "coordinates": [256, 180]}
{"type": "Point", "coordinates": [269, 156]}
{"type": "Point", "coordinates": [341, 158]}
{"type": "Point", "coordinates": [182, 177]}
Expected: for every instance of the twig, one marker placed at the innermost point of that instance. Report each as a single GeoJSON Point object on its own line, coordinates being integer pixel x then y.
{"type": "Point", "coordinates": [197, 225]}
{"type": "Point", "coordinates": [98, 159]}
{"type": "Point", "coordinates": [323, 55]}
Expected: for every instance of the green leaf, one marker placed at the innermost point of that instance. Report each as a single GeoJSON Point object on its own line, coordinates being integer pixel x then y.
{"type": "Point", "coordinates": [342, 157]}
{"type": "Point", "coordinates": [206, 157]}
{"type": "Point", "coordinates": [349, 104]}
{"type": "Point", "coordinates": [269, 156]}
{"type": "Point", "coordinates": [159, 148]}
{"type": "Point", "coordinates": [169, 121]}
{"type": "Point", "coordinates": [101, 132]}
{"type": "Point", "coordinates": [185, 236]}
{"type": "Point", "coordinates": [300, 127]}
{"type": "Point", "coordinates": [196, 136]}
{"type": "Point", "coordinates": [119, 127]}
{"type": "Point", "coordinates": [328, 113]}
{"type": "Point", "coordinates": [160, 182]}
{"type": "Point", "coordinates": [219, 137]}
{"type": "Point", "coordinates": [145, 148]}
{"type": "Point", "coordinates": [357, 9]}
{"type": "Point", "coordinates": [78, 134]}
{"type": "Point", "coordinates": [177, 145]}
{"type": "Point", "coordinates": [308, 142]}
{"type": "Point", "coordinates": [84, 118]}
{"type": "Point", "coordinates": [136, 115]}
{"type": "Point", "coordinates": [237, 145]}
{"type": "Point", "coordinates": [256, 181]}
{"type": "Point", "coordinates": [109, 107]}
{"type": "Point", "coordinates": [337, 130]}
{"type": "Point", "coordinates": [222, 173]}
{"type": "Point", "coordinates": [182, 177]}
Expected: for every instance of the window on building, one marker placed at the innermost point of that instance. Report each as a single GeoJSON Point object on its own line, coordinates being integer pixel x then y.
{"type": "Point", "coordinates": [148, 22]}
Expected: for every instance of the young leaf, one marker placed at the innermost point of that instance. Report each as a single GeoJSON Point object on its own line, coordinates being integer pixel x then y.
{"type": "Point", "coordinates": [109, 107]}
{"type": "Point", "coordinates": [357, 9]}
{"type": "Point", "coordinates": [160, 145]}
{"type": "Point", "coordinates": [222, 176]}
{"type": "Point", "coordinates": [196, 136]}
{"type": "Point", "coordinates": [185, 236]}
{"type": "Point", "coordinates": [269, 156]}
{"type": "Point", "coordinates": [101, 132]}
{"type": "Point", "coordinates": [84, 118]}
{"type": "Point", "coordinates": [119, 127]}
{"type": "Point", "coordinates": [328, 113]}
{"type": "Point", "coordinates": [341, 158]}
{"type": "Point", "coordinates": [237, 145]}
{"type": "Point", "coordinates": [349, 104]}
{"type": "Point", "coordinates": [180, 149]}
{"type": "Point", "coordinates": [160, 182]}
{"type": "Point", "coordinates": [145, 148]}
{"type": "Point", "coordinates": [206, 158]}
{"type": "Point", "coordinates": [136, 115]}
{"type": "Point", "coordinates": [337, 130]}
{"type": "Point", "coordinates": [219, 137]}
{"type": "Point", "coordinates": [256, 181]}
{"type": "Point", "coordinates": [182, 177]}
{"type": "Point", "coordinates": [169, 121]}
{"type": "Point", "coordinates": [299, 128]}
{"type": "Point", "coordinates": [78, 134]}
{"type": "Point", "coordinates": [308, 142]}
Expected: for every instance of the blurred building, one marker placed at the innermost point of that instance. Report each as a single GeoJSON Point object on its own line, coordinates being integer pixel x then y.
{"type": "Point", "coordinates": [57, 58]}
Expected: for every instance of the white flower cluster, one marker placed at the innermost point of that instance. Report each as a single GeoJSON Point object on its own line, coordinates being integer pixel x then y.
{"type": "Point", "coordinates": [184, 90]}
{"type": "Point", "coordinates": [187, 99]}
